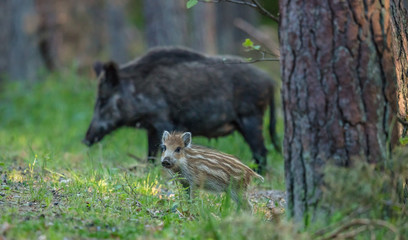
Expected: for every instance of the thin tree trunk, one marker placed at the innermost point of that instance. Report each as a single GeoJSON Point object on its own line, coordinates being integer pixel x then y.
{"type": "Point", "coordinates": [165, 22]}
{"type": "Point", "coordinates": [116, 28]}
{"type": "Point", "coordinates": [229, 37]}
{"type": "Point", "coordinates": [4, 37]}
{"type": "Point", "coordinates": [21, 59]}
{"type": "Point", "coordinates": [49, 36]}
{"type": "Point", "coordinates": [203, 28]}
{"type": "Point", "coordinates": [399, 23]}
{"type": "Point", "coordinates": [338, 91]}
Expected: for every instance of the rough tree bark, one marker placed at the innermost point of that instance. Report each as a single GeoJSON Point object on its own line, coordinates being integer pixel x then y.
{"type": "Point", "coordinates": [338, 91]}
{"type": "Point", "coordinates": [399, 23]}
{"type": "Point", "coordinates": [165, 22]}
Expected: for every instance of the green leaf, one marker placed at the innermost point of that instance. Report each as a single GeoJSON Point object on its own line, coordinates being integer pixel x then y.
{"type": "Point", "coordinates": [404, 141]}
{"type": "Point", "coordinates": [191, 3]}
{"type": "Point", "coordinates": [256, 47]}
{"type": "Point", "coordinates": [248, 43]}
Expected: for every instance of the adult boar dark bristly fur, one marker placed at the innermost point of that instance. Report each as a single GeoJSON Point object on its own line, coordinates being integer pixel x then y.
{"type": "Point", "coordinates": [179, 89]}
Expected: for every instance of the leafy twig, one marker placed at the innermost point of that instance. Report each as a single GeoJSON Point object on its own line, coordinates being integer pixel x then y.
{"type": "Point", "coordinates": [259, 36]}
{"type": "Point", "coordinates": [255, 60]}
{"type": "Point", "coordinates": [255, 4]}
{"type": "Point", "coordinates": [265, 12]}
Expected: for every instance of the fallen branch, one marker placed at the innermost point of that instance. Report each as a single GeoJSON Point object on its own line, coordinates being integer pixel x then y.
{"type": "Point", "coordinates": [352, 233]}
{"type": "Point", "coordinates": [132, 190]}
{"type": "Point", "coordinates": [136, 157]}
{"type": "Point", "coordinates": [341, 232]}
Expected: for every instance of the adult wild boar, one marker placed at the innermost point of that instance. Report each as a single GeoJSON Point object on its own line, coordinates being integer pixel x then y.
{"type": "Point", "coordinates": [179, 89]}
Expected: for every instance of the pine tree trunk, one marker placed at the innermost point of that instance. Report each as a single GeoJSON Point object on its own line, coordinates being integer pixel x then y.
{"type": "Point", "coordinates": [338, 91]}
{"type": "Point", "coordinates": [399, 23]}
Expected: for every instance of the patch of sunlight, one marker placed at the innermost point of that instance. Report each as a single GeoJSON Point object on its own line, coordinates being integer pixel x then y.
{"type": "Point", "coordinates": [31, 166]}
{"type": "Point", "coordinates": [149, 187]}
{"type": "Point", "coordinates": [16, 176]}
{"type": "Point", "coordinates": [56, 176]}
{"type": "Point", "coordinates": [101, 185]}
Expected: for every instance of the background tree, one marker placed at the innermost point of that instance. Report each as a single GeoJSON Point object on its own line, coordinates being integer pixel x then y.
{"type": "Point", "coordinates": [117, 31]}
{"type": "Point", "coordinates": [165, 22]}
{"type": "Point", "coordinates": [49, 36]}
{"type": "Point", "coordinates": [338, 91]}
{"type": "Point", "coordinates": [203, 29]}
{"type": "Point", "coordinates": [20, 56]}
{"type": "Point", "coordinates": [229, 37]}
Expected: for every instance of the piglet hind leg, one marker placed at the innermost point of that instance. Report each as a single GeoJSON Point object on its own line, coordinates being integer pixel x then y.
{"type": "Point", "coordinates": [241, 199]}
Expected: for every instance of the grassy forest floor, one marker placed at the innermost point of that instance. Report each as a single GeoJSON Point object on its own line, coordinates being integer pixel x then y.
{"type": "Point", "coordinates": [52, 186]}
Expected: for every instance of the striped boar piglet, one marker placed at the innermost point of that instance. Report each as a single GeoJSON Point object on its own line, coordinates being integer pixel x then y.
{"type": "Point", "coordinates": [209, 169]}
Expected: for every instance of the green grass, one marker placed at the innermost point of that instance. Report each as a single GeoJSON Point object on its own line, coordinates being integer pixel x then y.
{"type": "Point", "coordinates": [54, 186]}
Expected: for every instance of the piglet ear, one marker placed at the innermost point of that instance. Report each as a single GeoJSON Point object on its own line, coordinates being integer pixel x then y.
{"type": "Point", "coordinates": [111, 73]}
{"type": "Point", "coordinates": [186, 139]}
{"type": "Point", "coordinates": [98, 67]}
{"type": "Point", "coordinates": [165, 136]}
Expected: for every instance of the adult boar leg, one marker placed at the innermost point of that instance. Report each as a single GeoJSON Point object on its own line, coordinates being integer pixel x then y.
{"type": "Point", "coordinates": [251, 129]}
{"type": "Point", "coordinates": [153, 141]}
{"type": "Point", "coordinates": [154, 136]}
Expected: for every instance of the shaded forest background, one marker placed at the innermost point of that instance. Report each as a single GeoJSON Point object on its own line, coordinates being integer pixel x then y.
{"type": "Point", "coordinates": [48, 35]}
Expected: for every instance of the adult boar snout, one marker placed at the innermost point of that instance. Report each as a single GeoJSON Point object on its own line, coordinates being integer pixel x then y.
{"type": "Point", "coordinates": [86, 142]}
{"type": "Point", "coordinates": [91, 136]}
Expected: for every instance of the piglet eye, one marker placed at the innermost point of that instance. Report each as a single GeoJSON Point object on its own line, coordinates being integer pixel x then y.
{"type": "Point", "coordinates": [163, 147]}
{"type": "Point", "coordinates": [177, 150]}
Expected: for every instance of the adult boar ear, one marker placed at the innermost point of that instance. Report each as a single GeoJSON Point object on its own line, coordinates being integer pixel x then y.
{"type": "Point", "coordinates": [165, 136]}
{"type": "Point", "coordinates": [186, 139]}
{"type": "Point", "coordinates": [98, 67]}
{"type": "Point", "coordinates": [111, 73]}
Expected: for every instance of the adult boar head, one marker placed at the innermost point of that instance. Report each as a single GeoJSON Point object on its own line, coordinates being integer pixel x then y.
{"type": "Point", "coordinates": [109, 112]}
